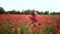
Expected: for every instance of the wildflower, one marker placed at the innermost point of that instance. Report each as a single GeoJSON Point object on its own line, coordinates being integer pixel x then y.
{"type": "Point", "coordinates": [44, 32]}
{"type": "Point", "coordinates": [28, 32]}
{"type": "Point", "coordinates": [58, 32]}
{"type": "Point", "coordinates": [34, 29]}
{"type": "Point", "coordinates": [0, 28]}
{"type": "Point", "coordinates": [7, 31]}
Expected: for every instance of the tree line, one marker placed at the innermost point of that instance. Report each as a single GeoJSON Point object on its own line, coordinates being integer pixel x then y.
{"type": "Point", "coordinates": [2, 11]}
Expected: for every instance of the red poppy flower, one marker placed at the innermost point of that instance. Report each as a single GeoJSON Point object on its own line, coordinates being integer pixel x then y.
{"type": "Point", "coordinates": [7, 31]}
{"type": "Point", "coordinates": [58, 32]}
{"type": "Point", "coordinates": [0, 28]}
{"type": "Point", "coordinates": [28, 32]}
{"type": "Point", "coordinates": [34, 29]}
{"type": "Point", "coordinates": [44, 33]}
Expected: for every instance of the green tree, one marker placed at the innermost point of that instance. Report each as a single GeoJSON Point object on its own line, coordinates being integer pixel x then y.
{"type": "Point", "coordinates": [58, 13]}
{"type": "Point", "coordinates": [12, 12]}
{"type": "Point", "coordinates": [53, 13]}
{"type": "Point", "coordinates": [46, 12]}
{"type": "Point", "coordinates": [2, 11]}
{"type": "Point", "coordinates": [27, 11]}
{"type": "Point", "coordinates": [18, 12]}
{"type": "Point", "coordinates": [40, 13]}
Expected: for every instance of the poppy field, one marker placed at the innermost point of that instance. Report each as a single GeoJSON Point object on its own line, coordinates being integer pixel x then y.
{"type": "Point", "coordinates": [21, 24]}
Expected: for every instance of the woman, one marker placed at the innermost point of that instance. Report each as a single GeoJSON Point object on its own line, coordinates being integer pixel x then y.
{"type": "Point", "coordinates": [33, 17]}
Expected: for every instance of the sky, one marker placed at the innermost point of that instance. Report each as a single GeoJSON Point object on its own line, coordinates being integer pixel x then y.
{"type": "Point", "coordinates": [40, 5]}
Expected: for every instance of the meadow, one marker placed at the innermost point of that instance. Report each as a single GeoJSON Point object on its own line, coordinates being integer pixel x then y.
{"type": "Point", "coordinates": [21, 24]}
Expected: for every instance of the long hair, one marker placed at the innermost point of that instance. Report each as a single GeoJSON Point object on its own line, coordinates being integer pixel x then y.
{"type": "Point", "coordinates": [33, 12]}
